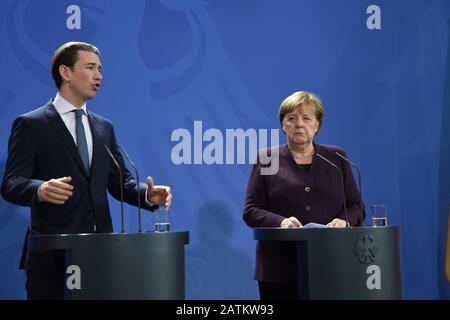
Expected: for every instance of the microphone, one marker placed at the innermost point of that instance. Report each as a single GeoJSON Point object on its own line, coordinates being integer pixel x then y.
{"type": "Point", "coordinates": [121, 184]}
{"type": "Point", "coordinates": [343, 185]}
{"type": "Point", "coordinates": [359, 185]}
{"type": "Point", "coordinates": [138, 187]}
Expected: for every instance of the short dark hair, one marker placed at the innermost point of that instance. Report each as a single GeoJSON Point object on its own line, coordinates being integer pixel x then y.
{"type": "Point", "coordinates": [67, 55]}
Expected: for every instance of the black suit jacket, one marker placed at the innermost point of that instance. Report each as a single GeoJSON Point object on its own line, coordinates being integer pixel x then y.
{"type": "Point", "coordinates": [41, 148]}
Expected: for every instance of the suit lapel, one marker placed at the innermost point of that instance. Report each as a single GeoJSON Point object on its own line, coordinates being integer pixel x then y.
{"type": "Point", "coordinates": [61, 131]}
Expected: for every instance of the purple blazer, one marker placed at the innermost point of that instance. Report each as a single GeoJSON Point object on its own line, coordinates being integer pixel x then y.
{"type": "Point", "coordinates": [315, 196]}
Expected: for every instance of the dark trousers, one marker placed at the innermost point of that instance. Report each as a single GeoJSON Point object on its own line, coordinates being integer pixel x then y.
{"type": "Point", "coordinates": [45, 284]}
{"type": "Point", "coordinates": [277, 291]}
{"type": "Point", "coordinates": [45, 275]}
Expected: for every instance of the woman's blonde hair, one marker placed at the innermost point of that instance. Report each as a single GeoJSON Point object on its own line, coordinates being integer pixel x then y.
{"type": "Point", "coordinates": [297, 99]}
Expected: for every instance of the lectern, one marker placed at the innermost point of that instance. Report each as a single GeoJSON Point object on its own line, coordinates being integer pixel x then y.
{"type": "Point", "coordinates": [343, 263]}
{"type": "Point", "coordinates": [148, 265]}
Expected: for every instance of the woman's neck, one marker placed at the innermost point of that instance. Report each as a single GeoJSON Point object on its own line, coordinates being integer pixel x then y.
{"type": "Point", "coordinates": [302, 154]}
{"type": "Point", "coordinates": [302, 149]}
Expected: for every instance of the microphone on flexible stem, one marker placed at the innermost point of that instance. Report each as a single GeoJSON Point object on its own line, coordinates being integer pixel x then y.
{"type": "Point", "coordinates": [138, 187]}
{"type": "Point", "coordinates": [121, 185]}
{"type": "Point", "coordinates": [343, 185]}
{"type": "Point", "coordinates": [359, 184]}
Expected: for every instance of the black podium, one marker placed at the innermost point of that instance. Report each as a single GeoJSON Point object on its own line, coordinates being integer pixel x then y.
{"type": "Point", "coordinates": [343, 263]}
{"type": "Point", "coordinates": [146, 265]}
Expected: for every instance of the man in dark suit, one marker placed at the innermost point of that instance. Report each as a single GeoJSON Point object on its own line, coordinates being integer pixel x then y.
{"type": "Point", "coordinates": [58, 165]}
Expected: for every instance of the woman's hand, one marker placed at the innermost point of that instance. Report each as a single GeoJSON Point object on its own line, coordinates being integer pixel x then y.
{"type": "Point", "coordinates": [291, 222]}
{"type": "Point", "coordinates": [337, 223]}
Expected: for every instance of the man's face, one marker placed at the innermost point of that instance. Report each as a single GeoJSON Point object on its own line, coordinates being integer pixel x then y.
{"type": "Point", "coordinates": [85, 76]}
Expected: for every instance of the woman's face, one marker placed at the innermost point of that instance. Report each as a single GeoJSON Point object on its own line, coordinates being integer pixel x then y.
{"type": "Point", "coordinates": [301, 124]}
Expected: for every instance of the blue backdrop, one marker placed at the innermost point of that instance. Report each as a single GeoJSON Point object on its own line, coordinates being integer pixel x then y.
{"type": "Point", "coordinates": [383, 75]}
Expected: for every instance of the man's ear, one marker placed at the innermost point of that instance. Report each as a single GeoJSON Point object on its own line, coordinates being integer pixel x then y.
{"type": "Point", "coordinates": [65, 72]}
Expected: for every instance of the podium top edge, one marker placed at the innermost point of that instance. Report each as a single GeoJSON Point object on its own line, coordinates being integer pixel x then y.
{"type": "Point", "coordinates": [296, 234]}
{"type": "Point", "coordinates": [64, 241]}
{"type": "Point", "coordinates": [108, 234]}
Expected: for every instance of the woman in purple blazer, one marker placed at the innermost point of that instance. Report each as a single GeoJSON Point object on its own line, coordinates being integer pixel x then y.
{"type": "Point", "coordinates": [306, 188]}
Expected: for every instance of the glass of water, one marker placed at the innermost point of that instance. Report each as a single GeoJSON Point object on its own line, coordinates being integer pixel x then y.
{"type": "Point", "coordinates": [379, 215]}
{"type": "Point", "coordinates": [162, 221]}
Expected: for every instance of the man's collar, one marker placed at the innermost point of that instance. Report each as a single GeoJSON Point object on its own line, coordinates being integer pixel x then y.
{"type": "Point", "coordinates": [63, 106]}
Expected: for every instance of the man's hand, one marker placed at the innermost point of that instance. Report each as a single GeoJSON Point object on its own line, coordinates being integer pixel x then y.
{"type": "Point", "coordinates": [291, 222]}
{"type": "Point", "coordinates": [56, 191]}
{"type": "Point", "coordinates": [337, 223]}
{"type": "Point", "coordinates": [159, 195]}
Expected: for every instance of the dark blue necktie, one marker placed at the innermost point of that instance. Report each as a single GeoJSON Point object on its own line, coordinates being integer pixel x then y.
{"type": "Point", "coordinates": [81, 140]}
